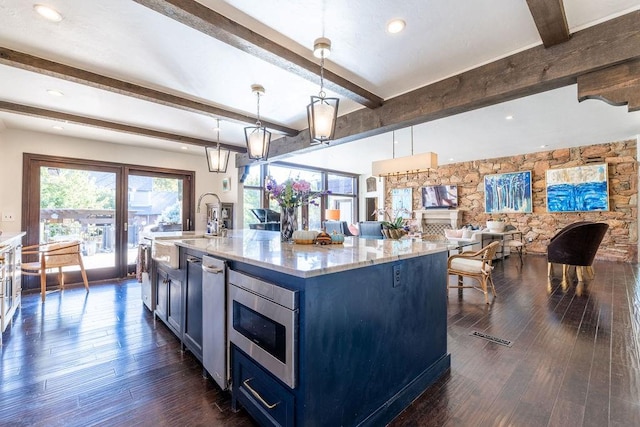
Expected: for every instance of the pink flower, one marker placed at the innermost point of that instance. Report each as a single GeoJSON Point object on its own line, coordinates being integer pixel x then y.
{"type": "Point", "coordinates": [301, 186]}
{"type": "Point", "coordinates": [292, 192]}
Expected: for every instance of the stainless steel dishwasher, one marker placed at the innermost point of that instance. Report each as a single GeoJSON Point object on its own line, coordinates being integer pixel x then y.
{"type": "Point", "coordinates": [215, 353]}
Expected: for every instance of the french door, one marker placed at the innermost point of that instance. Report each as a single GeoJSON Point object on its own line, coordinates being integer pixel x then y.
{"type": "Point", "coordinates": [105, 206]}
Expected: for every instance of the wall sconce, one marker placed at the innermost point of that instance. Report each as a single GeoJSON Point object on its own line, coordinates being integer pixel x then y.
{"type": "Point", "coordinates": [217, 158]}
{"type": "Point", "coordinates": [257, 137]}
{"type": "Point", "coordinates": [322, 113]}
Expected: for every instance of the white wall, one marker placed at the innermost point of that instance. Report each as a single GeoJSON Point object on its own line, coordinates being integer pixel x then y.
{"type": "Point", "coordinates": [13, 143]}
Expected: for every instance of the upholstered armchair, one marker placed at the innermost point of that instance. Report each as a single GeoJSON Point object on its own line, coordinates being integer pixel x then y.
{"type": "Point", "coordinates": [576, 245]}
{"type": "Point", "coordinates": [370, 229]}
{"type": "Point", "coordinates": [466, 236]}
{"type": "Point", "coordinates": [337, 226]}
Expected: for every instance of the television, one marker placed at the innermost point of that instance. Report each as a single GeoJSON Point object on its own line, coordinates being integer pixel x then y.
{"type": "Point", "coordinates": [439, 196]}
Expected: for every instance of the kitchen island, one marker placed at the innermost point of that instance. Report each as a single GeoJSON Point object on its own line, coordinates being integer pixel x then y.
{"type": "Point", "coordinates": [365, 336]}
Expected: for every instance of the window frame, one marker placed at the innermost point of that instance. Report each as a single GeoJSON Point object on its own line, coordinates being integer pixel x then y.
{"type": "Point", "coordinates": [323, 200]}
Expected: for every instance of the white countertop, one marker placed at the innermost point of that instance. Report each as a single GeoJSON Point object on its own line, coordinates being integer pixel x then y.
{"type": "Point", "coordinates": [7, 237]}
{"type": "Point", "coordinates": [264, 249]}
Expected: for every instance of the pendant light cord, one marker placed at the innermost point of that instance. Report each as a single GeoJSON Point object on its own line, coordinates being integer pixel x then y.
{"type": "Point", "coordinates": [322, 94]}
{"type": "Point", "coordinates": [393, 144]}
{"type": "Point", "coordinates": [258, 123]}
{"type": "Point", "coordinates": [412, 140]}
{"type": "Point", "coordinates": [218, 134]}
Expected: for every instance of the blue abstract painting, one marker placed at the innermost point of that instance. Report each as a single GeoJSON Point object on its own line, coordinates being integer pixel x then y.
{"type": "Point", "coordinates": [508, 192]}
{"type": "Point", "coordinates": [578, 189]}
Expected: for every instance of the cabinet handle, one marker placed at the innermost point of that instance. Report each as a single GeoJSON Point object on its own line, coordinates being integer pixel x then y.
{"type": "Point", "coordinates": [257, 396]}
{"type": "Point", "coordinates": [213, 270]}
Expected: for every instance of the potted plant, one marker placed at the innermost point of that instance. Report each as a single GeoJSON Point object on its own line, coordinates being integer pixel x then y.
{"type": "Point", "coordinates": [393, 227]}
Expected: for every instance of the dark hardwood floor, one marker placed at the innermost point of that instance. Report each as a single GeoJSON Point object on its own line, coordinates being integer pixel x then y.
{"type": "Point", "coordinates": [97, 359]}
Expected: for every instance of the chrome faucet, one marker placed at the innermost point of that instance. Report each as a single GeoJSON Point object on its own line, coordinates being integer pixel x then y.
{"type": "Point", "coordinates": [207, 194]}
{"type": "Point", "coordinates": [212, 223]}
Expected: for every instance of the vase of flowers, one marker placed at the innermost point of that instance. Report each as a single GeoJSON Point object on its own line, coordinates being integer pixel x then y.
{"type": "Point", "coordinates": [288, 222]}
{"type": "Point", "coordinates": [289, 195]}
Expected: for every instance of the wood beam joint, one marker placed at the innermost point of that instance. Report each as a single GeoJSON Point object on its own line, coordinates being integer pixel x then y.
{"type": "Point", "coordinates": [525, 73]}
{"type": "Point", "coordinates": [76, 75]}
{"type": "Point", "coordinates": [119, 127]}
{"type": "Point", "coordinates": [213, 24]}
{"type": "Point", "coordinates": [617, 85]}
{"type": "Point", "coordinates": [550, 20]}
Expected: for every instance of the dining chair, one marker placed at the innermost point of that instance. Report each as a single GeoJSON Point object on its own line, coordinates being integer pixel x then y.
{"type": "Point", "coordinates": [512, 244]}
{"type": "Point", "coordinates": [476, 265]}
{"type": "Point", "coordinates": [53, 255]}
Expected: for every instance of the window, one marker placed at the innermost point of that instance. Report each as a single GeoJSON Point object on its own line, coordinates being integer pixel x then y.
{"type": "Point", "coordinates": [343, 195]}
{"type": "Point", "coordinates": [253, 194]}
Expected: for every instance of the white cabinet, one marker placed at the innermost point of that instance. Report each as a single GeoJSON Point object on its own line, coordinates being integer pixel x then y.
{"type": "Point", "coordinates": [10, 277]}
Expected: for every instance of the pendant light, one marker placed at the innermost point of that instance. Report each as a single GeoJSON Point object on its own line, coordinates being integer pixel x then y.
{"type": "Point", "coordinates": [217, 158]}
{"type": "Point", "coordinates": [413, 164]}
{"type": "Point", "coordinates": [322, 113]}
{"type": "Point", "coordinates": [257, 137]}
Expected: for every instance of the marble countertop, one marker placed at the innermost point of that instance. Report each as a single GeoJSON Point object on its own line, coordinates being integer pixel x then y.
{"type": "Point", "coordinates": [168, 235]}
{"type": "Point", "coordinates": [264, 249]}
{"type": "Point", "coordinates": [7, 237]}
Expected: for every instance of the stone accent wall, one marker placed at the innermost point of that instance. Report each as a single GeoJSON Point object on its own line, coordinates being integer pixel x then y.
{"type": "Point", "coordinates": [619, 244]}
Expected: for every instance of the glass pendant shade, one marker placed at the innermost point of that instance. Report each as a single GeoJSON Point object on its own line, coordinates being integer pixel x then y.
{"type": "Point", "coordinates": [257, 137]}
{"type": "Point", "coordinates": [258, 140]}
{"type": "Point", "coordinates": [217, 159]}
{"type": "Point", "coordinates": [322, 114]}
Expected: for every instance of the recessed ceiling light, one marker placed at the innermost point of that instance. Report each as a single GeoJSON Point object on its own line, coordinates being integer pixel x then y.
{"type": "Point", "coordinates": [543, 146]}
{"type": "Point", "coordinates": [451, 159]}
{"type": "Point", "coordinates": [395, 26]}
{"type": "Point", "coordinates": [57, 127]}
{"type": "Point", "coordinates": [54, 92]}
{"type": "Point", "coordinates": [48, 13]}
{"type": "Point", "coordinates": [184, 147]}
{"type": "Point", "coordinates": [509, 118]}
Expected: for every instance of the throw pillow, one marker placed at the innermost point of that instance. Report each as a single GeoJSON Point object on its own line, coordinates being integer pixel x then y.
{"type": "Point", "coordinates": [453, 234]}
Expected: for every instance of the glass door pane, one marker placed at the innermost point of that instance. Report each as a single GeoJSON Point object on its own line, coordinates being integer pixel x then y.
{"type": "Point", "coordinates": [154, 204]}
{"type": "Point", "coordinates": [80, 205]}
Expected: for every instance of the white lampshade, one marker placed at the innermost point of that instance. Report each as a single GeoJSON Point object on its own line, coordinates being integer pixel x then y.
{"type": "Point", "coordinates": [323, 120]}
{"type": "Point", "coordinates": [217, 159]}
{"type": "Point", "coordinates": [322, 116]}
{"type": "Point", "coordinates": [409, 164]}
{"type": "Point", "coordinates": [258, 141]}
{"type": "Point", "coordinates": [332, 214]}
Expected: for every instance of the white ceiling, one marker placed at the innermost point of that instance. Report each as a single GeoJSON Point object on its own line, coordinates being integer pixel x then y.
{"type": "Point", "coordinates": [127, 41]}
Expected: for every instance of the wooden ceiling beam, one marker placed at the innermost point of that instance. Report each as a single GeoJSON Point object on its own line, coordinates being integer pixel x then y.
{"type": "Point", "coordinates": [525, 73]}
{"type": "Point", "coordinates": [213, 24]}
{"type": "Point", "coordinates": [53, 69]}
{"type": "Point", "coordinates": [103, 124]}
{"type": "Point", "coordinates": [550, 20]}
{"type": "Point", "coordinates": [617, 85]}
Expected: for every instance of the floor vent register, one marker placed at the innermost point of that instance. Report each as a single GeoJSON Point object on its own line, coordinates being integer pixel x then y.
{"type": "Point", "coordinates": [491, 338]}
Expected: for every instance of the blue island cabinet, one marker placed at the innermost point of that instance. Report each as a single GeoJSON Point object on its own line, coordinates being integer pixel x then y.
{"type": "Point", "coordinates": [369, 341]}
